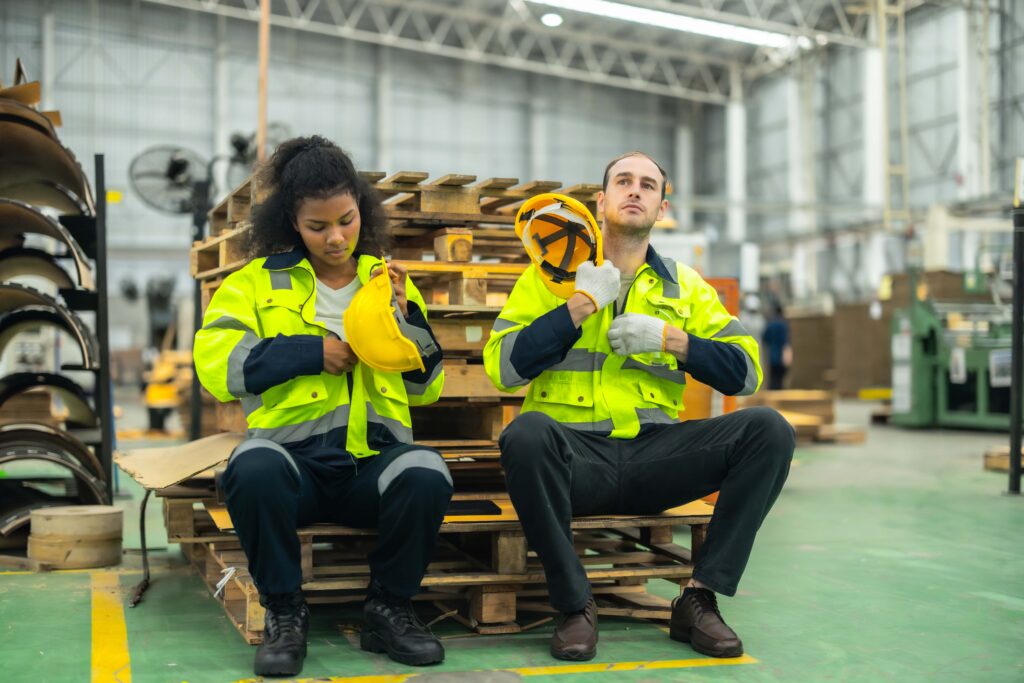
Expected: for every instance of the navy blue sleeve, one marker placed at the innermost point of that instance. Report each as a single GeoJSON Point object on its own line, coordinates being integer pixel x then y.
{"type": "Point", "coordinates": [431, 362]}
{"type": "Point", "coordinates": [278, 359]}
{"type": "Point", "coordinates": [544, 342]}
{"type": "Point", "coordinates": [721, 366]}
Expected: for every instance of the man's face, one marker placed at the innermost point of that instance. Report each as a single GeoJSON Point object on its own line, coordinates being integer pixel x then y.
{"type": "Point", "coordinates": [632, 201]}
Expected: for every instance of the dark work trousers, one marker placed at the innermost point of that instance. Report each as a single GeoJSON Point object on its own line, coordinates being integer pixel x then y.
{"type": "Point", "coordinates": [554, 472]}
{"type": "Point", "coordinates": [403, 492]}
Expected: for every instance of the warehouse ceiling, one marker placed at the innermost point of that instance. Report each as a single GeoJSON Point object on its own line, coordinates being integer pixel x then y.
{"type": "Point", "coordinates": [585, 46]}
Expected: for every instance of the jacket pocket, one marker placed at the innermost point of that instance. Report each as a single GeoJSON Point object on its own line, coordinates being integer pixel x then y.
{"type": "Point", "coordinates": [299, 392]}
{"type": "Point", "coordinates": [666, 308]}
{"type": "Point", "coordinates": [660, 391]}
{"type": "Point", "coordinates": [565, 393]}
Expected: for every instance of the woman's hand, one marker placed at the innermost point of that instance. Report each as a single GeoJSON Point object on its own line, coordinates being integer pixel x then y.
{"type": "Point", "coordinates": [398, 274]}
{"type": "Point", "coordinates": [338, 356]}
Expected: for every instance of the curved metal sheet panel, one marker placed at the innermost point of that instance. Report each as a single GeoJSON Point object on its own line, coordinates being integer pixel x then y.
{"type": "Point", "coordinates": [18, 218]}
{"type": "Point", "coordinates": [45, 436]}
{"type": "Point", "coordinates": [80, 412]}
{"type": "Point", "coordinates": [35, 167]}
{"type": "Point", "coordinates": [14, 296]}
{"type": "Point", "coordinates": [21, 261]}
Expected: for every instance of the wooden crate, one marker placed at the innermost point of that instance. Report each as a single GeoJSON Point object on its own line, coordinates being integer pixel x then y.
{"type": "Point", "coordinates": [482, 566]}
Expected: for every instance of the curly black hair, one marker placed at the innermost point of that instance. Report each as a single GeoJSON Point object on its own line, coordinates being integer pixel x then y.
{"type": "Point", "coordinates": [312, 167]}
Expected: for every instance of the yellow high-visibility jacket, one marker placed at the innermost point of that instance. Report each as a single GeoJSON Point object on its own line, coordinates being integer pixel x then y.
{"type": "Point", "coordinates": [260, 343]}
{"type": "Point", "coordinates": [576, 378]}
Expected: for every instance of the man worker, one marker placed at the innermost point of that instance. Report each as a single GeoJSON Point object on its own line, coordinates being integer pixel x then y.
{"type": "Point", "coordinates": [599, 432]}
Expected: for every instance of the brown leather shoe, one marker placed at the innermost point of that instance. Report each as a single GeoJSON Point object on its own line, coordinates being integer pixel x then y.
{"type": "Point", "coordinates": [575, 637]}
{"type": "Point", "coordinates": [696, 620]}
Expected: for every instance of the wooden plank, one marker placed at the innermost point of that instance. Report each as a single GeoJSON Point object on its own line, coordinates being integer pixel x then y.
{"type": "Point", "coordinates": [405, 178]}
{"type": "Point", "coordinates": [496, 184]}
{"type": "Point", "coordinates": [452, 180]}
{"type": "Point", "coordinates": [372, 177]}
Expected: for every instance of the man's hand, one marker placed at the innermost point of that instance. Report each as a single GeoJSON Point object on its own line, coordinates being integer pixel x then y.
{"type": "Point", "coordinates": [633, 333]}
{"type": "Point", "coordinates": [600, 283]}
{"type": "Point", "coordinates": [338, 356]}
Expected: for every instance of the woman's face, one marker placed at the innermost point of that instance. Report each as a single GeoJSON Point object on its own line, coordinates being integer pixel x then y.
{"type": "Point", "coordinates": [329, 228]}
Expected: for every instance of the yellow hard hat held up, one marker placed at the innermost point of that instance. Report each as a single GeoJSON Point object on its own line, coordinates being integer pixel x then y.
{"type": "Point", "coordinates": [378, 332]}
{"type": "Point", "coordinates": [559, 234]}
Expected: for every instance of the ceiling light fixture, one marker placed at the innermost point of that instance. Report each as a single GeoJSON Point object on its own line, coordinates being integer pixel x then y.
{"type": "Point", "coordinates": [676, 22]}
{"type": "Point", "coordinates": [551, 20]}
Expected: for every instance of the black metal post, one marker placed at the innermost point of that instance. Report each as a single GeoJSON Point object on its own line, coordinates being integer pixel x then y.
{"type": "Point", "coordinates": [1017, 349]}
{"type": "Point", "coordinates": [200, 207]}
{"type": "Point", "coordinates": [105, 409]}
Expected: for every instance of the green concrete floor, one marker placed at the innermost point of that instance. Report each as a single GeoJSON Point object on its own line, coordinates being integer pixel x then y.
{"type": "Point", "coordinates": [895, 560]}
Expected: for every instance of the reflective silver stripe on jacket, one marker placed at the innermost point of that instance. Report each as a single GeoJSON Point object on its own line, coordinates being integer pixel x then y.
{"type": "Point", "coordinates": [417, 389]}
{"type": "Point", "coordinates": [421, 459]}
{"type": "Point", "coordinates": [236, 364]}
{"type": "Point", "coordinates": [662, 371]}
{"type": "Point", "coordinates": [280, 279]}
{"type": "Point", "coordinates": [251, 444]}
{"type": "Point", "coordinates": [581, 360]}
{"type": "Point", "coordinates": [500, 325]}
{"type": "Point", "coordinates": [601, 426]}
{"type": "Point", "coordinates": [750, 381]}
{"type": "Point", "coordinates": [509, 376]}
{"type": "Point", "coordinates": [397, 429]}
{"type": "Point", "coordinates": [734, 329]}
{"type": "Point", "coordinates": [655, 416]}
{"type": "Point", "coordinates": [303, 430]}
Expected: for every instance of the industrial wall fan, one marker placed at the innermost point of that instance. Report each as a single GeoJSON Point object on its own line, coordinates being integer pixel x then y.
{"type": "Point", "coordinates": [164, 177]}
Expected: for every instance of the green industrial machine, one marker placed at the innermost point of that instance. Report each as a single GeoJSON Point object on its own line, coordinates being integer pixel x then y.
{"type": "Point", "coordinates": [951, 364]}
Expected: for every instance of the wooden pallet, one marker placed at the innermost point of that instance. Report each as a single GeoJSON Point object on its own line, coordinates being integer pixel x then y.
{"type": "Point", "coordinates": [997, 459]}
{"type": "Point", "coordinates": [482, 565]}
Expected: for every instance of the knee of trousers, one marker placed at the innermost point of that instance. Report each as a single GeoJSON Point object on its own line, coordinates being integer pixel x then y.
{"type": "Point", "coordinates": [260, 468]}
{"type": "Point", "coordinates": [526, 440]}
{"type": "Point", "coordinates": [420, 473]}
{"type": "Point", "coordinates": [776, 432]}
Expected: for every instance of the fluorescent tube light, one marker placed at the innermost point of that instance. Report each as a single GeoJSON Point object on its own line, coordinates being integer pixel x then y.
{"type": "Point", "coordinates": [676, 22]}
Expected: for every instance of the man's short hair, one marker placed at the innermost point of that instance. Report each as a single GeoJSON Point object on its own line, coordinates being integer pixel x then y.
{"type": "Point", "coordinates": [635, 153]}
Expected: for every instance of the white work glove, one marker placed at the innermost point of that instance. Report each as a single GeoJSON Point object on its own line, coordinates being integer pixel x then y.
{"type": "Point", "coordinates": [600, 283]}
{"type": "Point", "coordinates": [633, 333]}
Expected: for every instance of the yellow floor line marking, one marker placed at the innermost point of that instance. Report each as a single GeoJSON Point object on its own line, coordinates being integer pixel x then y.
{"type": "Point", "coordinates": [110, 660]}
{"type": "Point", "coordinates": [20, 572]}
{"type": "Point", "coordinates": [561, 670]}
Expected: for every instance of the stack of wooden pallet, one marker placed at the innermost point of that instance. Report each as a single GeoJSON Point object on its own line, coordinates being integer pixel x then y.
{"type": "Point", "coordinates": [455, 237]}
{"type": "Point", "coordinates": [811, 413]}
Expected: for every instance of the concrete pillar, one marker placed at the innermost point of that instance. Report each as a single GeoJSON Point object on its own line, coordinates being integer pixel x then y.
{"type": "Point", "coordinates": [736, 159]}
{"type": "Point", "coordinates": [682, 180]}
{"type": "Point", "coordinates": [968, 108]}
{"type": "Point", "coordinates": [383, 106]}
{"type": "Point", "coordinates": [874, 123]}
{"type": "Point", "coordinates": [799, 143]}
{"type": "Point", "coordinates": [221, 98]}
{"type": "Point", "coordinates": [537, 157]}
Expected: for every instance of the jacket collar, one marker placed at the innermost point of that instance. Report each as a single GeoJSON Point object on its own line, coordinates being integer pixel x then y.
{"type": "Point", "coordinates": [288, 259]}
{"type": "Point", "coordinates": [659, 265]}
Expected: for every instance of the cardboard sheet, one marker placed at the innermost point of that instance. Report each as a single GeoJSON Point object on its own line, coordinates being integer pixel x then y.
{"type": "Point", "coordinates": [157, 468]}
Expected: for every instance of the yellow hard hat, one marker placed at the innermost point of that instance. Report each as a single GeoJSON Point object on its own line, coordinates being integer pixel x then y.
{"type": "Point", "coordinates": [559, 234]}
{"type": "Point", "coordinates": [379, 334]}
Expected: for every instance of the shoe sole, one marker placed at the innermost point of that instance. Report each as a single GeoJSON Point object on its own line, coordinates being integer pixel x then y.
{"type": "Point", "coordinates": [370, 641]}
{"type": "Point", "coordinates": [279, 672]}
{"type": "Point", "coordinates": [573, 657]}
{"type": "Point", "coordinates": [682, 635]}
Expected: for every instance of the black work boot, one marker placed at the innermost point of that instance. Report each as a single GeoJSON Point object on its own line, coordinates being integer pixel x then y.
{"type": "Point", "coordinates": [697, 621]}
{"type": "Point", "coordinates": [390, 625]}
{"type": "Point", "coordinates": [284, 635]}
